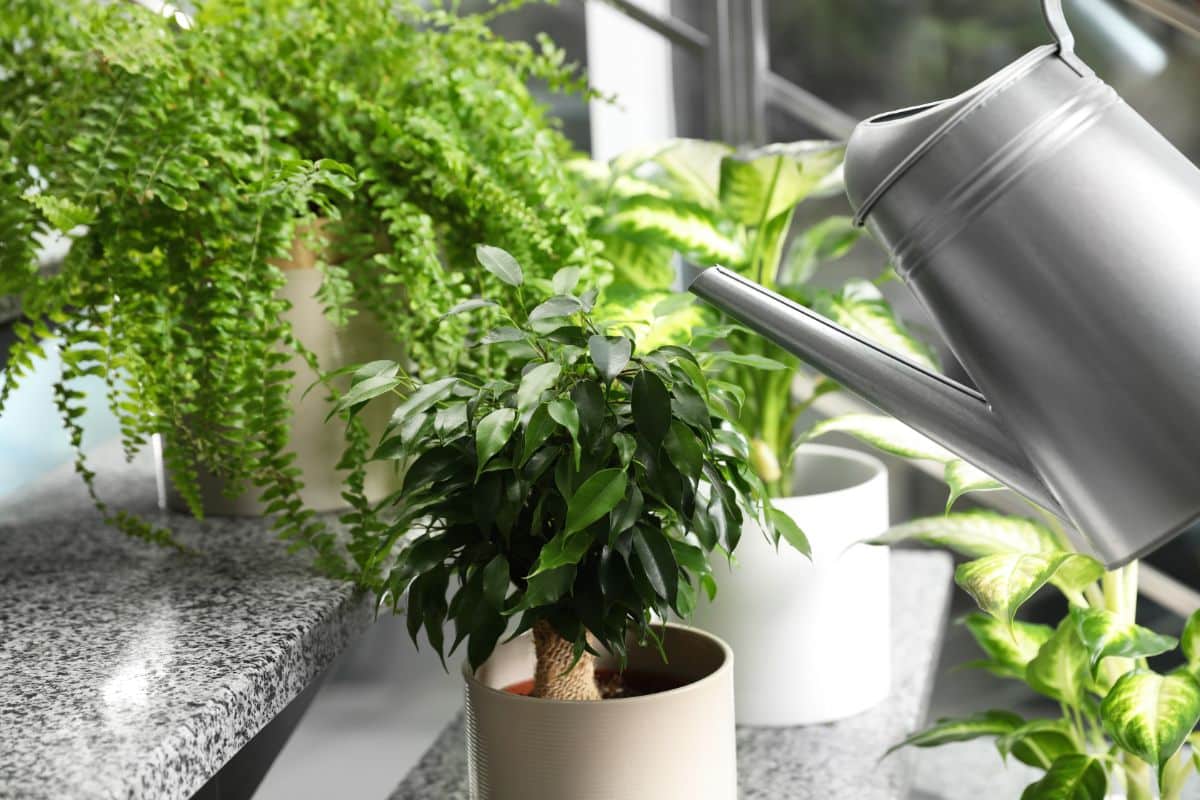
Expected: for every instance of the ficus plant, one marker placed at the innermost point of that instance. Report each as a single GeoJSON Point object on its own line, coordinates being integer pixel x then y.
{"type": "Point", "coordinates": [711, 204]}
{"type": "Point", "coordinates": [579, 495]}
{"type": "Point", "coordinates": [181, 160]}
{"type": "Point", "coordinates": [1123, 727]}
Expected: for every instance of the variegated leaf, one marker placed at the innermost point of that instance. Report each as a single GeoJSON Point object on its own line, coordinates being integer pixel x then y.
{"type": "Point", "coordinates": [759, 185]}
{"type": "Point", "coordinates": [1001, 583]}
{"type": "Point", "coordinates": [691, 229]}
{"type": "Point", "coordinates": [1070, 777]}
{"type": "Point", "coordinates": [1038, 743]}
{"type": "Point", "coordinates": [964, 478]}
{"type": "Point", "coordinates": [861, 308]}
{"type": "Point", "coordinates": [693, 169]}
{"type": "Point", "coordinates": [885, 433]}
{"type": "Point", "coordinates": [1009, 649]}
{"type": "Point", "coordinates": [976, 534]}
{"type": "Point", "coordinates": [1150, 715]}
{"type": "Point", "coordinates": [1189, 642]}
{"type": "Point", "coordinates": [1105, 634]}
{"type": "Point", "coordinates": [827, 240]}
{"type": "Point", "coordinates": [945, 731]}
{"type": "Point", "coordinates": [1061, 669]}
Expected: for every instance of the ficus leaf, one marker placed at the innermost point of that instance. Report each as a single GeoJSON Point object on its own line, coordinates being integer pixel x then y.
{"type": "Point", "coordinates": [492, 434]}
{"type": "Point", "coordinates": [610, 354]}
{"type": "Point", "coordinates": [557, 306]}
{"type": "Point", "coordinates": [596, 496]}
{"type": "Point", "coordinates": [563, 411]}
{"type": "Point", "coordinates": [533, 383]}
{"type": "Point", "coordinates": [657, 561]}
{"type": "Point", "coordinates": [501, 264]}
{"type": "Point", "coordinates": [473, 304]}
{"type": "Point", "coordinates": [565, 280]}
{"type": "Point", "coordinates": [651, 406]}
{"type": "Point", "coordinates": [787, 528]}
{"type": "Point", "coordinates": [495, 581]}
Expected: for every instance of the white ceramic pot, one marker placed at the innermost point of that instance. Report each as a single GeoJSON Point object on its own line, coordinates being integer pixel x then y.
{"type": "Point", "coordinates": [812, 639]}
{"type": "Point", "coordinates": [676, 743]}
{"type": "Point", "coordinates": [316, 442]}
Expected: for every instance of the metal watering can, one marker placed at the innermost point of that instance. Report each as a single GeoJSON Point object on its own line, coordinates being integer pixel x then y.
{"type": "Point", "coordinates": [1055, 237]}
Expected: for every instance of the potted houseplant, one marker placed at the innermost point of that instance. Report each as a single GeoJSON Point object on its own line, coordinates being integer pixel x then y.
{"type": "Point", "coordinates": [712, 204]}
{"type": "Point", "coordinates": [193, 175]}
{"type": "Point", "coordinates": [570, 505]}
{"type": "Point", "coordinates": [1125, 730]}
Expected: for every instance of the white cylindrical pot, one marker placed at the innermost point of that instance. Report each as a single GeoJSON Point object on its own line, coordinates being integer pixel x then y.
{"type": "Point", "coordinates": [676, 743]}
{"type": "Point", "coordinates": [812, 638]}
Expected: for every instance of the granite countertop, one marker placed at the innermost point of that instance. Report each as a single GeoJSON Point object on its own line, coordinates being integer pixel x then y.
{"type": "Point", "coordinates": [820, 762]}
{"type": "Point", "coordinates": [127, 670]}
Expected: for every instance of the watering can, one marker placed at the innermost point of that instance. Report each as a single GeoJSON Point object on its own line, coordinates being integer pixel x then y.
{"type": "Point", "coordinates": [1054, 236]}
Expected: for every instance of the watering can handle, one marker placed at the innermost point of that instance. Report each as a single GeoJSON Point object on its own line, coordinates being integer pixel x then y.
{"type": "Point", "coordinates": [1056, 21]}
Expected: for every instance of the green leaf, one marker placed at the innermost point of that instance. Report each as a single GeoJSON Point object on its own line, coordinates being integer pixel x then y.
{"type": "Point", "coordinates": [565, 280]}
{"type": "Point", "coordinates": [651, 407]}
{"type": "Point", "coordinates": [610, 354]}
{"type": "Point", "coordinates": [885, 433]}
{"type": "Point", "coordinates": [565, 549]}
{"type": "Point", "coordinates": [860, 308]}
{"type": "Point", "coordinates": [1038, 743]}
{"type": "Point", "coordinates": [627, 513]}
{"type": "Point", "coordinates": [694, 169]}
{"type": "Point", "coordinates": [557, 306]}
{"type": "Point", "coordinates": [975, 534]}
{"type": "Point", "coordinates": [496, 581]}
{"type": "Point", "coordinates": [366, 389]}
{"type": "Point", "coordinates": [787, 528]}
{"type": "Point", "coordinates": [1150, 715]}
{"type": "Point", "coordinates": [1061, 669]}
{"type": "Point", "coordinates": [1189, 642]}
{"type": "Point", "coordinates": [946, 731]}
{"type": "Point", "coordinates": [533, 383]}
{"type": "Point", "coordinates": [964, 478]}
{"type": "Point", "coordinates": [1009, 649]}
{"type": "Point", "coordinates": [597, 496]}
{"type": "Point", "coordinates": [691, 229]}
{"type": "Point", "coordinates": [626, 446]}
{"type": "Point", "coordinates": [545, 588]}
{"type": "Point", "coordinates": [537, 431]}
{"type": "Point", "coordinates": [1001, 583]}
{"type": "Point", "coordinates": [563, 411]}
{"type": "Point", "coordinates": [750, 360]}
{"type": "Point", "coordinates": [468, 305]}
{"type": "Point", "coordinates": [62, 213]}
{"type": "Point", "coordinates": [657, 561]}
{"type": "Point", "coordinates": [759, 185]}
{"type": "Point", "coordinates": [501, 335]}
{"type": "Point", "coordinates": [492, 434]}
{"type": "Point", "coordinates": [500, 263]}
{"type": "Point", "coordinates": [828, 240]}
{"type": "Point", "coordinates": [422, 398]}
{"type": "Point", "coordinates": [684, 449]}
{"type": "Point", "coordinates": [1105, 634]}
{"type": "Point", "coordinates": [1070, 777]}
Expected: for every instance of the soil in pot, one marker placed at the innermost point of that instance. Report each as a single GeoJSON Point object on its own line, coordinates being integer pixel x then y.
{"type": "Point", "coordinates": [615, 685]}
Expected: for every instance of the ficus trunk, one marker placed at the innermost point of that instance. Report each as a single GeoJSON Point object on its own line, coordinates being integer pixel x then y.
{"type": "Point", "coordinates": [554, 678]}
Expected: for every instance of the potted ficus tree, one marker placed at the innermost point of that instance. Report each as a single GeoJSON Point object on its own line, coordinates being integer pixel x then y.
{"type": "Point", "coordinates": [1125, 730]}
{"type": "Point", "coordinates": [712, 204]}
{"type": "Point", "coordinates": [564, 510]}
{"type": "Point", "coordinates": [244, 190]}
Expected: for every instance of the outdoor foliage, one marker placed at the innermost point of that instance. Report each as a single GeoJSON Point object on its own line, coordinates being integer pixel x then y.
{"type": "Point", "coordinates": [181, 159]}
{"type": "Point", "coordinates": [713, 205]}
{"type": "Point", "coordinates": [588, 487]}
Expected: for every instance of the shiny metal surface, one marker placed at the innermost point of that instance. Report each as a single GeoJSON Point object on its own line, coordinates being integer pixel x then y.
{"type": "Point", "coordinates": [1053, 234]}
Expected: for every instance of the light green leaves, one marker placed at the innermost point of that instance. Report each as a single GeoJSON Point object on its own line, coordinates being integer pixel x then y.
{"type": "Point", "coordinates": [465, 306]}
{"type": "Point", "coordinates": [789, 531]}
{"type": "Point", "coordinates": [1061, 669]}
{"type": "Point", "coordinates": [886, 433]}
{"type": "Point", "coordinates": [1189, 642]}
{"type": "Point", "coordinates": [1001, 583]}
{"type": "Point", "coordinates": [1105, 634]}
{"type": "Point", "coordinates": [1150, 715]}
{"type": "Point", "coordinates": [500, 263]}
{"type": "Point", "coordinates": [945, 731]}
{"type": "Point", "coordinates": [1009, 649]}
{"type": "Point", "coordinates": [1070, 777]}
{"type": "Point", "coordinates": [690, 229]}
{"type": "Point", "coordinates": [558, 306]}
{"type": "Point", "coordinates": [610, 354]}
{"type": "Point", "coordinates": [827, 240]}
{"type": "Point", "coordinates": [63, 213]}
{"type": "Point", "coordinates": [975, 534]}
{"type": "Point", "coordinates": [759, 185]}
{"type": "Point", "coordinates": [534, 382]}
{"type": "Point", "coordinates": [861, 308]}
{"type": "Point", "coordinates": [597, 496]}
{"type": "Point", "coordinates": [964, 478]}
{"type": "Point", "coordinates": [565, 280]}
{"type": "Point", "coordinates": [492, 434]}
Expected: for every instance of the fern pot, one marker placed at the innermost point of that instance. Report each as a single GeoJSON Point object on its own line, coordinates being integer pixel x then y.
{"type": "Point", "coordinates": [812, 638]}
{"type": "Point", "coordinates": [317, 444]}
{"type": "Point", "coordinates": [674, 743]}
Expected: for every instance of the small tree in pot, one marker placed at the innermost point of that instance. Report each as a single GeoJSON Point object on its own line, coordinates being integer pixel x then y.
{"type": "Point", "coordinates": [582, 496]}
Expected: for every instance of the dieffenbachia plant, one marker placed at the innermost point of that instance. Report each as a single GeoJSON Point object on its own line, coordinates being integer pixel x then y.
{"type": "Point", "coordinates": [582, 493]}
{"type": "Point", "coordinates": [1123, 726]}
{"type": "Point", "coordinates": [713, 205]}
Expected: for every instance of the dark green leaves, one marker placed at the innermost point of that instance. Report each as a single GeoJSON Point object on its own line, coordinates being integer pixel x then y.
{"type": "Point", "coordinates": [657, 561]}
{"type": "Point", "coordinates": [533, 383]}
{"type": "Point", "coordinates": [493, 433]}
{"type": "Point", "coordinates": [597, 496]}
{"type": "Point", "coordinates": [651, 407]}
{"type": "Point", "coordinates": [1070, 777]}
{"type": "Point", "coordinates": [501, 264]}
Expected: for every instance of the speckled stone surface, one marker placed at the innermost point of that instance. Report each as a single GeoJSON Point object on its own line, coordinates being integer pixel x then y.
{"type": "Point", "coordinates": [133, 672]}
{"type": "Point", "coordinates": [821, 762]}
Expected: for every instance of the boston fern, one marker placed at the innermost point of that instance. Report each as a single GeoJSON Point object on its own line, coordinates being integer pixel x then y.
{"type": "Point", "coordinates": [181, 160]}
{"type": "Point", "coordinates": [582, 494]}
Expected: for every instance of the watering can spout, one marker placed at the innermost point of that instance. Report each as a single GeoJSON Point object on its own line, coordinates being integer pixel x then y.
{"type": "Point", "coordinates": [951, 414]}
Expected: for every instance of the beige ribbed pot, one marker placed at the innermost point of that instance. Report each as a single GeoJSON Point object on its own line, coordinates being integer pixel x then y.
{"type": "Point", "coordinates": [674, 744]}
{"type": "Point", "coordinates": [318, 444]}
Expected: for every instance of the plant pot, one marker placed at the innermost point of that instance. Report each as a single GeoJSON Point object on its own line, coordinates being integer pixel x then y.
{"type": "Point", "coordinates": [675, 743]}
{"type": "Point", "coordinates": [812, 638]}
{"type": "Point", "coordinates": [317, 443]}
